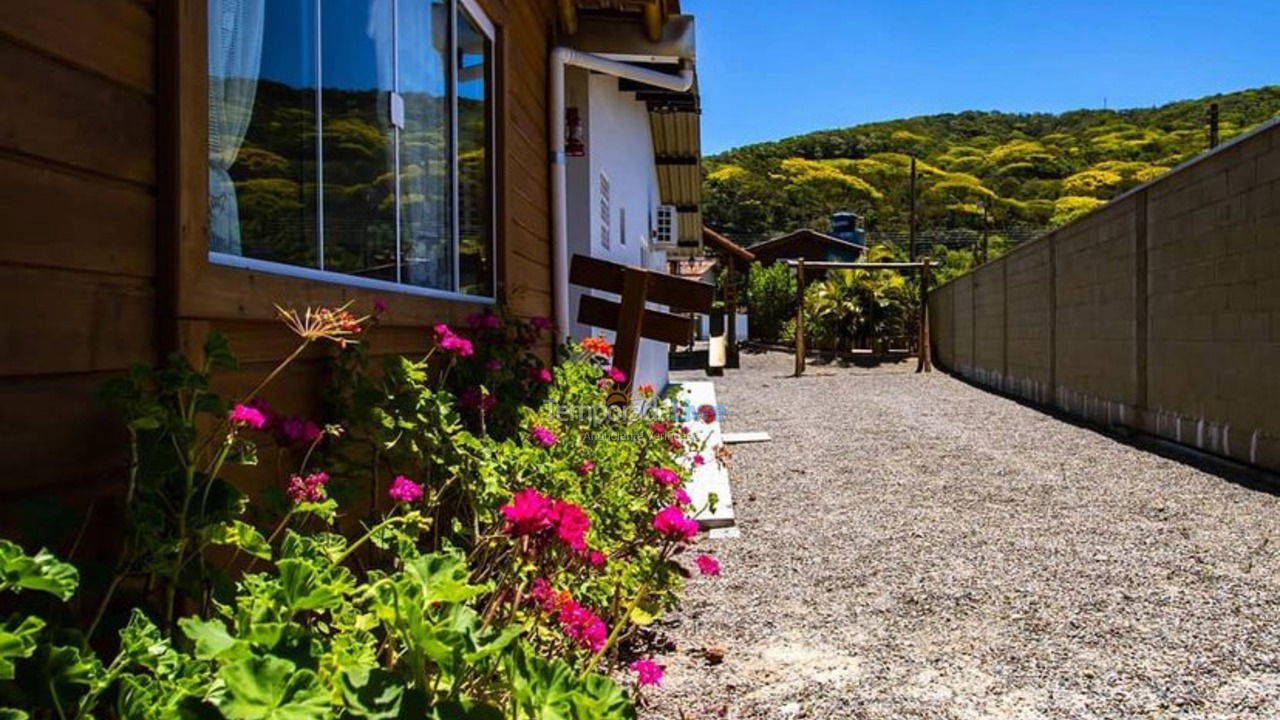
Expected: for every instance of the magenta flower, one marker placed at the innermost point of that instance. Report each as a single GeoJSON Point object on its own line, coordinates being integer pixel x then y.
{"type": "Point", "coordinates": [698, 460]}
{"type": "Point", "coordinates": [541, 375]}
{"type": "Point", "coordinates": [308, 489]}
{"type": "Point", "coordinates": [543, 436]}
{"type": "Point", "coordinates": [493, 364]}
{"type": "Point", "coordinates": [405, 490]}
{"type": "Point", "coordinates": [298, 431]}
{"type": "Point", "coordinates": [648, 672]}
{"type": "Point", "coordinates": [586, 467]}
{"type": "Point", "coordinates": [682, 497]}
{"type": "Point", "coordinates": [379, 305]}
{"type": "Point", "coordinates": [572, 524]}
{"type": "Point", "coordinates": [617, 376]}
{"type": "Point", "coordinates": [474, 397]}
{"type": "Point", "coordinates": [597, 558]}
{"type": "Point", "coordinates": [672, 523]}
{"type": "Point", "coordinates": [484, 321]}
{"type": "Point", "coordinates": [583, 626]}
{"type": "Point", "coordinates": [454, 344]}
{"type": "Point", "coordinates": [664, 476]}
{"type": "Point", "coordinates": [659, 428]}
{"type": "Point", "coordinates": [540, 323]}
{"type": "Point", "coordinates": [248, 416]}
{"type": "Point", "coordinates": [707, 565]}
{"type": "Point", "coordinates": [528, 513]}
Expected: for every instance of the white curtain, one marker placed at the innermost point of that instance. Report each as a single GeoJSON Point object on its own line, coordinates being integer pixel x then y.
{"type": "Point", "coordinates": [235, 55]}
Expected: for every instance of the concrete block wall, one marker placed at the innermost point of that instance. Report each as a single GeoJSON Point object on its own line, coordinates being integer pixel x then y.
{"type": "Point", "coordinates": [1158, 312]}
{"type": "Point", "coordinates": [1029, 326]}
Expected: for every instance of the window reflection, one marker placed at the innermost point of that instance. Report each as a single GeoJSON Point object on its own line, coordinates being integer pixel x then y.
{"type": "Point", "coordinates": [262, 130]}
{"type": "Point", "coordinates": [425, 203]}
{"type": "Point", "coordinates": [358, 148]}
{"type": "Point", "coordinates": [475, 209]}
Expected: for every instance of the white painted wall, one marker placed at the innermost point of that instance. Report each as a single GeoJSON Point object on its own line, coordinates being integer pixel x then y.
{"type": "Point", "coordinates": [620, 145]}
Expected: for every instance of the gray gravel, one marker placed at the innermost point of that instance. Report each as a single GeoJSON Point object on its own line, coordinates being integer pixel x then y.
{"type": "Point", "coordinates": [913, 547]}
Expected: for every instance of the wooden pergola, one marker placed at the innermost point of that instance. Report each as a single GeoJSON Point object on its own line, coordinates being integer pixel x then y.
{"type": "Point", "coordinates": [923, 363]}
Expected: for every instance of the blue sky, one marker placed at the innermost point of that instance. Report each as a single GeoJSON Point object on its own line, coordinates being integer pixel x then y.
{"type": "Point", "coordinates": [773, 68]}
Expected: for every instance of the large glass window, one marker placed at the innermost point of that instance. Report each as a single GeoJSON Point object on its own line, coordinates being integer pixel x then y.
{"type": "Point", "coordinates": [352, 140]}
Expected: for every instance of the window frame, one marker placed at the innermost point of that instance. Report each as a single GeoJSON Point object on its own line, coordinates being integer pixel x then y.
{"type": "Point", "coordinates": [192, 287]}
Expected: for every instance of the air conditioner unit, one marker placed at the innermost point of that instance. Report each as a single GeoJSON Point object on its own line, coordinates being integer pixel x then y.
{"type": "Point", "coordinates": [667, 233]}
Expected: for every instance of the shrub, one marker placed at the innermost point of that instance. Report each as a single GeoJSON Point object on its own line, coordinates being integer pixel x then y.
{"type": "Point", "coordinates": [771, 298]}
{"type": "Point", "coordinates": [505, 552]}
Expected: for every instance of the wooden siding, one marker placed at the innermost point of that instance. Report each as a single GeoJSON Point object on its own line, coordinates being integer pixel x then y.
{"type": "Point", "coordinates": [102, 197]}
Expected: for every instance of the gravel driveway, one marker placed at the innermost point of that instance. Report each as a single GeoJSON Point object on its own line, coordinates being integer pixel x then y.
{"type": "Point", "coordinates": [913, 547]}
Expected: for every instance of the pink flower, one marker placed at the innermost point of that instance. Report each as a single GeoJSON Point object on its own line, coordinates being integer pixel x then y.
{"type": "Point", "coordinates": [698, 460]}
{"type": "Point", "coordinates": [528, 513]}
{"type": "Point", "coordinates": [648, 672]}
{"type": "Point", "coordinates": [379, 305]}
{"type": "Point", "coordinates": [664, 476]}
{"type": "Point", "coordinates": [405, 490]}
{"type": "Point", "coordinates": [308, 489]}
{"type": "Point", "coordinates": [248, 416]}
{"type": "Point", "coordinates": [617, 376]}
{"type": "Point", "coordinates": [583, 626]}
{"type": "Point", "coordinates": [540, 375]}
{"type": "Point", "coordinates": [659, 428]}
{"type": "Point", "coordinates": [597, 558]}
{"type": "Point", "coordinates": [674, 443]}
{"type": "Point", "coordinates": [586, 467]}
{"type": "Point", "coordinates": [484, 321]}
{"type": "Point", "coordinates": [540, 323]}
{"type": "Point", "coordinates": [451, 342]}
{"type": "Point", "coordinates": [542, 593]}
{"type": "Point", "coordinates": [474, 397]}
{"type": "Point", "coordinates": [672, 523]}
{"type": "Point", "coordinates": [707, 565]}
{"type": "Point", "coordinates": [572, 524]}
{"type": "Point", "coordinates": [493, 364]}
{"type": "Point", "coordinates": [682, 497]}
{"type": "Point", "coordinates": [299, 431]}
{"type": "Point", "coordinates": [543, 436]}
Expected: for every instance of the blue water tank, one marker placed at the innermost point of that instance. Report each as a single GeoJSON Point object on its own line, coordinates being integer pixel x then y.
{"type": "Point", "coordinates": [848, 226]}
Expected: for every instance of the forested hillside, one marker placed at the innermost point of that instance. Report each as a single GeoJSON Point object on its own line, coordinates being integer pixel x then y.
{"type": "Point", "coordinates": [1035, 170]}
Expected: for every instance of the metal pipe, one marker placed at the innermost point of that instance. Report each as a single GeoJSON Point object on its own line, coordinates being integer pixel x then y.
{"type": "Point", "coordinates": [561, 58]}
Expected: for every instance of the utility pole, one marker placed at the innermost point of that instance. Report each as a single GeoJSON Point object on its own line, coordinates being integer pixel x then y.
{"type": "Point", "coordinates": [986, 247]}
{"type": "Point", "coordinates": [912, 219]}
{"type": "Point", "coordinates": [1213, 125]}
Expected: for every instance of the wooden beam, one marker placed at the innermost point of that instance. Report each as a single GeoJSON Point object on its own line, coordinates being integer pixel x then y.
{"type": "Point", "coordinates": [654, 20]}
{"type": "Point", "coordinates": [626, 349]}
{"type": "Point", "coordinates": [569, 16]}
{"type": "Point", "coordinates": [824, 265]}
{"type": "Point", "coordinates": [678, 293]}
{"type": "Point", "coordinates": [800, 349]}
{"type": "Point", "coordinates": [660, 326]}
{"type": "Point", "coordinates": [924, 363]}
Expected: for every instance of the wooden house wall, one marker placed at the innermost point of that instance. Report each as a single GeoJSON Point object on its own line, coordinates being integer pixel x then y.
{"type": "Point", "coordinates": [104, 211]}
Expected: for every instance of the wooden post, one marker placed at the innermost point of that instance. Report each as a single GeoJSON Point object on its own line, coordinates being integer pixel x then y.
{"type": "Point", "coordinates": [924, 363]}
{"type": "Point", "coordinates": [626, 349]}
{"type": "Point", "coordinates": [800, 318]}
{"type": "Point", "coordinates": [731, 359]}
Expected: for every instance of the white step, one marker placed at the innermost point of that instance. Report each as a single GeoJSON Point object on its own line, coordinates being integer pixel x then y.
{"type": "Point", "coordinates": [711, 476]}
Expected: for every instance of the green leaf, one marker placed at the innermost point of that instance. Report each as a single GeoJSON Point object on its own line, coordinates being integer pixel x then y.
{"type": "Point", "coordinates": [465, 710]}
{"type": "Point", "coordinates": [43, 571]}
{"type": "Point", "coordinates": [217, 351]}
{"type": "Point", "coordinates": [240, 534]}
{"type": "Point", "coordinates": [372, 693]}
{"type": "Point", "coordinates": [269, 688]}
{"type": "Point", "coordinates": [13, 714]}
{"type": "Point", "coordinates": [141, 642]}
{"type": "Point", "coordinates": [210, 637]}
{"type": "Point", "coordinates": [443, 578]}
{"type": "Point", "coordinates": [306, 588]}
{"type": "Point", "coordinates": [17, 640]}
